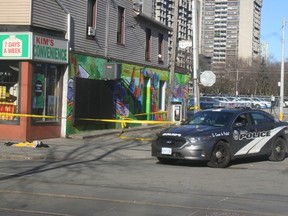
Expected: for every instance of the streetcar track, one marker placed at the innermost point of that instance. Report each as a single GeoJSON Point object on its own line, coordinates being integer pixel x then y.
{"type": "Point", "coordinates": [236, 197]}
{"type": "Point", "coordinates": [160, 190]}
{"type": "Point", "coordinates": [34, 212]}
{"type": "Point", "coordinates": [134, 202]}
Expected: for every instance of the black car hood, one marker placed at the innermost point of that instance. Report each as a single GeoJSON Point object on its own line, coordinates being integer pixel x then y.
{"type": "Point", "coordinates": [190, 130]}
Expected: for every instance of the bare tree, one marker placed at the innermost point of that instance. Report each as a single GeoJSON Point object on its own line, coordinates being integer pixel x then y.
{"type": "Point", "coordinates": [246, 76]}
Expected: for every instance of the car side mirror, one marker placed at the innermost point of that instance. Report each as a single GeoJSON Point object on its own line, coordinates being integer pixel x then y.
{"type": "Point", "coordinates": [183, 122]}
{"type": "Point", "coordinates": [238, 124]}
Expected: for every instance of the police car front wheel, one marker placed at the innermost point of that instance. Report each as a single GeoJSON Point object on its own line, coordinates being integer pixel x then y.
{"type": "Point", "coordinates": [278, 150]}
{"type": "Point", "coordinates": [221, 156]}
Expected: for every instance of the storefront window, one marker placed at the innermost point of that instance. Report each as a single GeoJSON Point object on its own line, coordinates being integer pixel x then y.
{"type": "Point", "coordinates": [46, 92]}
{"type": "Point", "coordinates": [9, 90]}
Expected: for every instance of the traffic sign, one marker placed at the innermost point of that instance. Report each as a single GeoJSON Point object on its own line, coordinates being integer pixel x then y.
{"type": "Point", "coordinates": [207, 78]}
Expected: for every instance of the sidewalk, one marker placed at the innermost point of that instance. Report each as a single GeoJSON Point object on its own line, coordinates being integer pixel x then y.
{"type": "Point", "coordinates": [83, 147]}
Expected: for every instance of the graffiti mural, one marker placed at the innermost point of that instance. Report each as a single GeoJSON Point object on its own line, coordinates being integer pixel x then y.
{"type": "Point", "coordinates": [137, 95]}
{"type": "Point", "coordinates": [181, 87]}
{"type": "Point", "coordinates": [144, 97]}
{"type": "Point", "coordinates": [121, 101]}
{"type": "Point", "coordinates": [83, 67]}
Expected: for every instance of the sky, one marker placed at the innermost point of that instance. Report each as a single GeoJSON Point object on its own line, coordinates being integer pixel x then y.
{"type": "Point", "coordinates": [273, 12]}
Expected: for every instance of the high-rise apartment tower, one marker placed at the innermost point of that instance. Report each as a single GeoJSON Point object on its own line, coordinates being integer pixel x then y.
{"type": "Point", "coordinates": [230, 29]}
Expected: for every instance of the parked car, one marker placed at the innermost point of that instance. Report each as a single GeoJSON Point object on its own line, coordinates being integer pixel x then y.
{"type": "Point", "coordinates": [226, 102]}
{"type": "Point", "coordinates": [231, 98]}
{"type": "Point", "coordinates": [259, 103]}
{"type": "Point", "coordinates": [242, 102]}
{"type": "Point", "coordinates": [221, 135]}
{"type": "Point", "coordinates": [285, 102]}
{"type": "Point", "coordinates": [206, 102]}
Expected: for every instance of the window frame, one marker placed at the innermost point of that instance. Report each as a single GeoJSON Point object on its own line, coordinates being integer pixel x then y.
{"type": "Point", "coordinates": [261, 118]}
{"type": "Point", "coordinates": [10, 104]}
{"type": "Point", "coordinates": [148, 44]}
{"type": "Point", "coordinates": [57, 93]}
{"type": "Point", "coordinates": [160, 48]}
{"type": "Point", "coordinates": [121, 26]}
{"type": "Point", "coordinates": [91, 15]}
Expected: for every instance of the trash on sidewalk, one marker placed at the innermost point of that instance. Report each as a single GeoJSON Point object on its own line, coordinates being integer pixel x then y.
{"type": "Point", "coordinates": [34, 144]}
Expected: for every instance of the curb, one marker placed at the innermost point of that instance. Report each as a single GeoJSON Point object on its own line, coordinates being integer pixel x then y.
{"type": "Point", "coordinates": [18, 157]}
{"type": "Point", "coordinates": [108, 132]}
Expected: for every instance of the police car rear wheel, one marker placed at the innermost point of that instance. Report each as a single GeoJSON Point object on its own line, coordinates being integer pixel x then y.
{"type": "Point", "coordinates": [220, 157]}
{"type": "Point", "coordinates": [278, 151]}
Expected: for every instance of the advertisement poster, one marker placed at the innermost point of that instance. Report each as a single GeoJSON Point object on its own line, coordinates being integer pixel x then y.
{"type": "Point", "coordinates": [38, 92]}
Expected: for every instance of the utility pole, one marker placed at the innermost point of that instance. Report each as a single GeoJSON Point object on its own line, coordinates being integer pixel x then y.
{"type": "Point", "coordinates": [237, 77]}
{"type": "Point", "coordinates": [195, 58]}
{"type": "Point", "coordinates": [282, 73]}
{"type": "Point", "coordinates": [170, 92]}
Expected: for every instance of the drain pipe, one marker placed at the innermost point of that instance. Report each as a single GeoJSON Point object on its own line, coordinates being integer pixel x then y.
{"type": "Point", "coordinates": [65, 75]}
{"type": "Point", "coordinates": [107, 27]}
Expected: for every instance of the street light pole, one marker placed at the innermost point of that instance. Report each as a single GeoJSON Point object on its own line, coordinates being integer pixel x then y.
{"type": "Point", "coordinates": [282, 74]}
{"type": "Point", "coordinates": [237, 77]}
{"type": "Point", "coordinates": [195, 58]}
{"type": "Point", "coordinates": [170, 91]}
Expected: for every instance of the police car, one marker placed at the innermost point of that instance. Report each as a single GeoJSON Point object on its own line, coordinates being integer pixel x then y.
{"type": "Point", "coordinates": [221, 135]}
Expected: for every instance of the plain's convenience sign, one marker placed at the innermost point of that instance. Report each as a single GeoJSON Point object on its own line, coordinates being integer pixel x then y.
{"type": "Point", "coordinates": [15, 45]}
{"type": "Point", "coordinates": [50, 49]}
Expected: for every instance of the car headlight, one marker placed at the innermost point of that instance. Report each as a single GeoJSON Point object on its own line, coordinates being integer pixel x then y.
{"type": "Point", "coordinates": [198, 139]}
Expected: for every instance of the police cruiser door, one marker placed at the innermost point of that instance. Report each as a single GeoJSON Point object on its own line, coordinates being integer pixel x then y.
{"type": "Point", "coordinates": [242, 130]}
{"type": "Point", "coordinates": [255, 136]}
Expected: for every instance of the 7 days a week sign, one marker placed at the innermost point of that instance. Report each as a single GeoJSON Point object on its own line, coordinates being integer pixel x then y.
{"type": "Point", "coordinates": [33, 46]}
{"type": "Point", "coordinates": [15, 45]}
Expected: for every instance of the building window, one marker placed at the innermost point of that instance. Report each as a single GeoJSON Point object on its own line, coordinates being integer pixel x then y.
{"type": "Point", "coordinates": [160, 48]}
{"type": "Point", "coordinates": [46, 92]}
{"type": "Point", "coordinates": [91, 17]}
{"type": "Point", "coordinates": [121, 25]}
{"type": "Point", "coordinates": [9, 90]}
{"type": "Point", "coordinates": [148, 45]}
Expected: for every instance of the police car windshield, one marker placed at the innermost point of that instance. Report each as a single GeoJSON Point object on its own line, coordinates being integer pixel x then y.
{"type": "Point", "coordinates": [211, 118]}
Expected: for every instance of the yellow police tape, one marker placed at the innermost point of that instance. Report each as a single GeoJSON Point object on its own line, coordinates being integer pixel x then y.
{"type": "Point", "coordinates": [135, 138]}
{"type": "Point", "coordinates": [123, 122]}
{"type": "Point", "coordinates": [91, 119]}
{"type": "Point", "coordinates": [194, 107]}
{"type": "Point", "coordinates": [129, 121]}
{"type": "Point", "coordinates": [27, 115]}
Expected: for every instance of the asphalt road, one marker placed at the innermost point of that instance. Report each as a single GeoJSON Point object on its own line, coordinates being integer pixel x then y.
{"type": "Point", "coordinates": [142, 187]}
